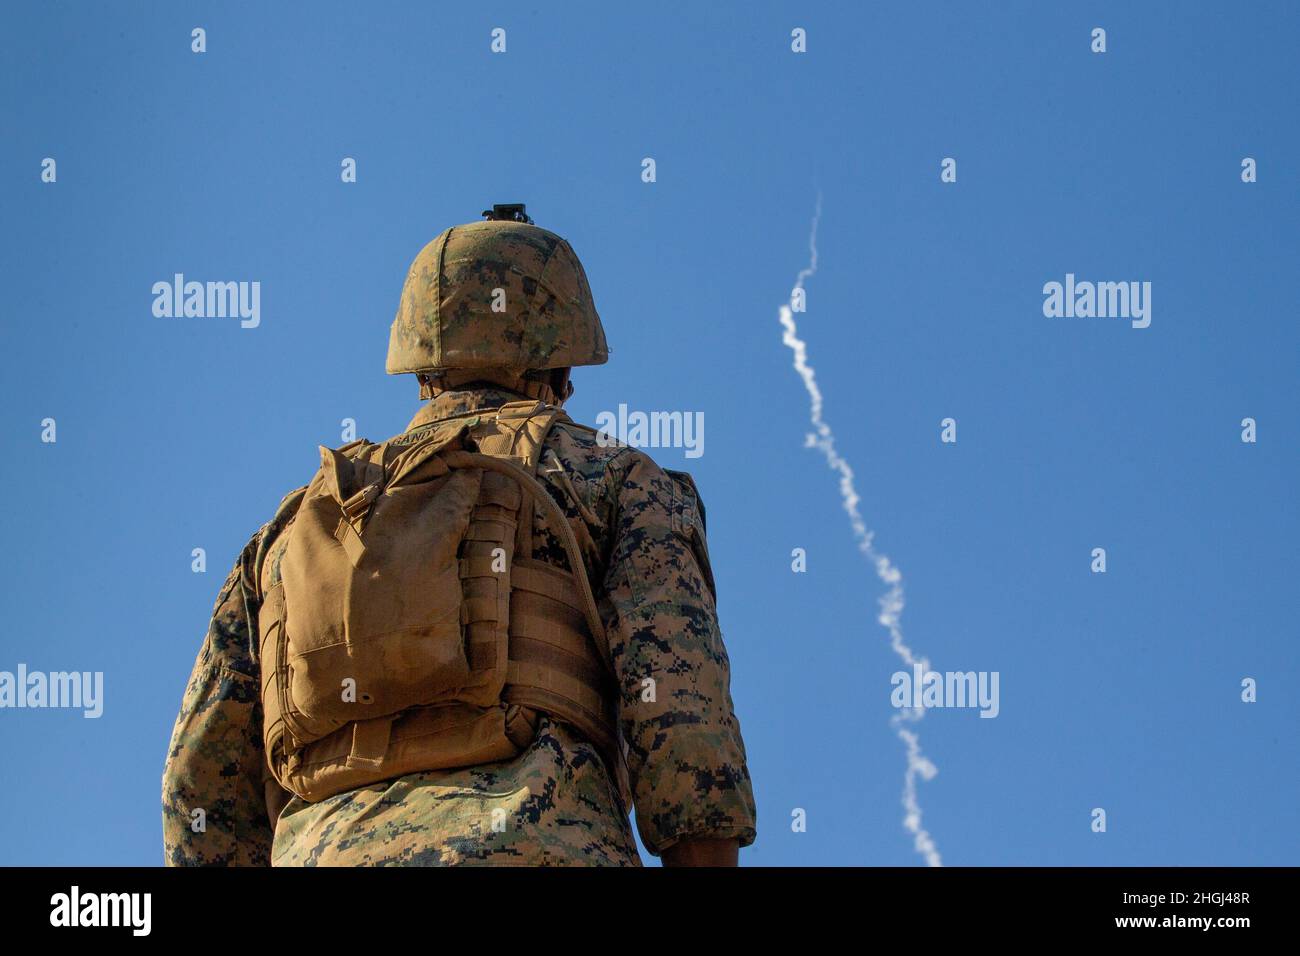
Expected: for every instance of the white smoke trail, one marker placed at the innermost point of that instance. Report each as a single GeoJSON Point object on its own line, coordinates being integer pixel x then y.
{"type": "Point", "coordinates": [891, 605]}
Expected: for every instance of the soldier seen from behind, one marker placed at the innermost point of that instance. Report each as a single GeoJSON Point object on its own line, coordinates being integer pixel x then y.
{"type": "Point", "coordinates": [483, 641]}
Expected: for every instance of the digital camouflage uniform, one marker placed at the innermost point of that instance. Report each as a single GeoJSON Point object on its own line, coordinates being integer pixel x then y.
{"type": "Point", "coordinates": [641, 532]}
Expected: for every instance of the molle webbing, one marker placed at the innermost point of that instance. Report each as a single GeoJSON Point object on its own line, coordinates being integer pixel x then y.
{"type": "Point", "coordinates": [554, 623]}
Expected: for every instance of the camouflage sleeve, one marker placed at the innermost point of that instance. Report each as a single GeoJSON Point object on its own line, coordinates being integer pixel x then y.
{"type": "Point", "coordinates": [214, 808]}
{"type": "Point", "coordinates": [685, 754]}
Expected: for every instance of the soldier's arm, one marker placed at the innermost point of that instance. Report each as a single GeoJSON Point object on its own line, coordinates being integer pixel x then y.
{"type": "Point", "coordinates": [686, 758]}
{"type": "Point", "coordinates": [214, 808]}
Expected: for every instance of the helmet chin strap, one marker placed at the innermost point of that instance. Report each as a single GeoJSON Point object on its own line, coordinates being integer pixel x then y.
{"type": "Point", "coordinates": [435, 383]}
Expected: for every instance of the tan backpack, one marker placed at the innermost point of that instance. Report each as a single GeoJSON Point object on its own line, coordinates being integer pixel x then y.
{"type": "Point", "coordinates": [411, 628]}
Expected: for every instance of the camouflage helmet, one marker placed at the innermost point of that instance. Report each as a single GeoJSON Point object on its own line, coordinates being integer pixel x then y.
{"type": "Point", "coordinates": [494, 294]}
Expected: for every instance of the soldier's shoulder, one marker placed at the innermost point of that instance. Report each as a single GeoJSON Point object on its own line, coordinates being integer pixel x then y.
{"type": "Point", "coordinates": [689, 493]}
{"type": "Point", "coordinates": [592, 452]}
{"type": "Point", "coordinates": [596, 453]}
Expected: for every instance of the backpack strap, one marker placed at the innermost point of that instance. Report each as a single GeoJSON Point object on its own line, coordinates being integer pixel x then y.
{"type": "Point", "coordinates": [517, 432]}
{"type": "Point", "coordinates": [535, 490]}
{"type": "Point", "coordinates": [554, 623]}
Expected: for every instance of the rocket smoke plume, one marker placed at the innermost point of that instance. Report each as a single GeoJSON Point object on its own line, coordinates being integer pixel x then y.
{"type": "Point", "coordinates": [891, 605]}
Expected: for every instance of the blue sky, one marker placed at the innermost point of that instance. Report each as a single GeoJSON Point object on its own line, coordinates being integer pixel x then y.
{"type": "Point", "coordinates": [1118, 690]}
